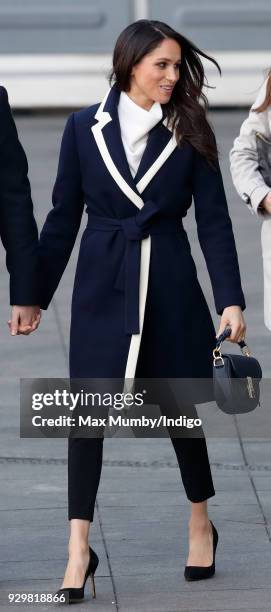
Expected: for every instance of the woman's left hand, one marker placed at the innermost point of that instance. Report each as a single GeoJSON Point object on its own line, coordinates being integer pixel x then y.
{"type": "Point", "coordinates": [233, 317]}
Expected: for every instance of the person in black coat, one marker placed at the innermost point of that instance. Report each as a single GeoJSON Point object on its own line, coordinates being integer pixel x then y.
{"type": "Point", "coordinates": [138, 310]}
{"type": "Point", "coordinates": [18, 229]}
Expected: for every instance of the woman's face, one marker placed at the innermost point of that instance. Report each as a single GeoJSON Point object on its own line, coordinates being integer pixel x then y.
{"type": "Point", "coordinates": [153, 79]}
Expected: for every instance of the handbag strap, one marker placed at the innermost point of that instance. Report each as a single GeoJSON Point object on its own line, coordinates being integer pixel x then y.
{"type": "Point", "coordinates": [218, 359]}
{"type": "Point", "coordinates": [223, 336]}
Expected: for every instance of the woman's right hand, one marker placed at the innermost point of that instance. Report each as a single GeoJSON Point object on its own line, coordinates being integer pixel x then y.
{"type": "Point", "coordinates": [24, 320]}
{"type": "Point", "coordinates": [266, 203]}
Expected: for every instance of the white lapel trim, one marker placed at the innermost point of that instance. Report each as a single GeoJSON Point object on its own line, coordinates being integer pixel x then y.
{"type": "Point", "coordinates": [143, 289]}
{"type": "Point", "coordinates": [103, 118]}
{"type": "Point", "coordinates": [148, 176]}
{"type": "Point", "coordinates": [117, 176]}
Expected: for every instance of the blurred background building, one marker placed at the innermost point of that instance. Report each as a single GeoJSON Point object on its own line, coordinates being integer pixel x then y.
{"type": "Point", "coordinates": [57, 53]}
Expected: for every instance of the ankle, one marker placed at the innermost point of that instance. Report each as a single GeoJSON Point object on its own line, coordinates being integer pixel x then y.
{"type": "Point", "coordinates": [201, 522]}
{"type": "Point", "coordinates": [78, 546]}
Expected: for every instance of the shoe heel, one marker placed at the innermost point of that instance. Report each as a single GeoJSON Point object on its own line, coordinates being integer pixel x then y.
{"type": "Point", "coordinates": [92, 585]}
{"type": "Point", "coordinates": [196, 572]}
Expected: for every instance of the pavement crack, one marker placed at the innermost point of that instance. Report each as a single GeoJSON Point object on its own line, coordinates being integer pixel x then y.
{"type": "Point", "coordinates": [243, 467]}
{"type": "Point", "coordinates": [247, 467]}
{"type": "Point", "coordinates": [107, 555]}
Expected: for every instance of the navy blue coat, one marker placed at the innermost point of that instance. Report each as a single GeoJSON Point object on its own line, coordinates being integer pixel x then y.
{"type": "Point", "coordinates": [18, 229]}
{"type": "Point", "coordinates": [137, 306]}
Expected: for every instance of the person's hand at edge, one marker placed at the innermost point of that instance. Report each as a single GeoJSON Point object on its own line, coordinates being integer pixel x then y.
{"type": "Point", "coordinates": [24, 320]}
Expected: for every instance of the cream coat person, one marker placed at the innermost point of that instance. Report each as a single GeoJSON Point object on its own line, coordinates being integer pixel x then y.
{"type": "Point", "coordinates": [250, 184]}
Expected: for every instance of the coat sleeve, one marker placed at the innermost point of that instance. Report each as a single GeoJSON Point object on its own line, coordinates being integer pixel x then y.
{"type": "Point", "coordinates": [215, 234]}
{"type": "Point", "coordinates": [59, 232]}
{"type": "Point", "coordinates": [18, 229]}
{"type": "Point", "coordinates": [246, 176]}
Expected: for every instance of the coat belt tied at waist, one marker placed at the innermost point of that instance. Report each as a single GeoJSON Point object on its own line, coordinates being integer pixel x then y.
{"type": "Point", "coordinates": [136, 228]}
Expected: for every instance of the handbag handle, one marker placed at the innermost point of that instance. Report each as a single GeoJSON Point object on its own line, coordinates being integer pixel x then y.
{"type": "Point", "coordinates": [218, 359]}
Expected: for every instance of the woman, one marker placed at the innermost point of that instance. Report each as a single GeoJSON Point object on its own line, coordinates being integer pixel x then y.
{"type": "Point", "coordinates": [149, 136]}
{"type": "Point", "coordinates": [249, 182]}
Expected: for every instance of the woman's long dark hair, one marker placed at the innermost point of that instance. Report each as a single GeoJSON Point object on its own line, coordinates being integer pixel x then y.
{"type": "Point", "coordinates": [188, 104]}
{"type": "Point", "coordinates": [267, 100]}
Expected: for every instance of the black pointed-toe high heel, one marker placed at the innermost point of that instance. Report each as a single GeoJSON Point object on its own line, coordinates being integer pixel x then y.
{"type": "Point", "coordinates": [75, 595]}
{"type": "Point", "coordinates": [194, 572]}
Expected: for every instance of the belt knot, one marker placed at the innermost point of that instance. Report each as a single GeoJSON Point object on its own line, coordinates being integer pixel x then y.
{"type": "Point", "coordinates": [138, 226]}
{"type": "Point", "coordinates": [144, 223]}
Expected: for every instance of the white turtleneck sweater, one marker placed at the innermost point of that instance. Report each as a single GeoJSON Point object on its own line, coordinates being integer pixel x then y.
{"type": "Point", "coordinates": [135, 124]}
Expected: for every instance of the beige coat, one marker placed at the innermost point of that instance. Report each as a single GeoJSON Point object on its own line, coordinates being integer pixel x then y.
{"type": "Point", "coordinates": [250, 184]}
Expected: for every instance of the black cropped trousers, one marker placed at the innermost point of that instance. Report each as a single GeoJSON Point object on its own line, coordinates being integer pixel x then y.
{"type": "Point", "coordinates": [85, 465]}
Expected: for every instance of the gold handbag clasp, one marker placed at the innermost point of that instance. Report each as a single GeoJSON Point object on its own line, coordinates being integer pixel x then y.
{"type": "Point", "coordinates": [218, 359]}
{"type": "Point", "coordinates": [245, 350]}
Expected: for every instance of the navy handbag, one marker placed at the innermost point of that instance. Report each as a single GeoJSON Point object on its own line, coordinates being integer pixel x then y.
{"type": "Point", "coordinates": [236, 378]}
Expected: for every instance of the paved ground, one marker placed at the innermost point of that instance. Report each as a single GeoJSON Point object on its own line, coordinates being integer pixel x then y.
{"type": "Point", "coordinates": [140, 525]}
